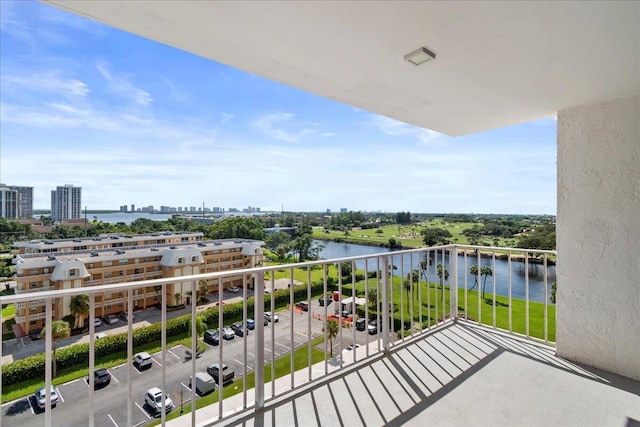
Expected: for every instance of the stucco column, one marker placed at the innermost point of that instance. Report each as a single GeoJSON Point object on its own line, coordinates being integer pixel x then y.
{"type": "Point", "coordinates": [598, 236]}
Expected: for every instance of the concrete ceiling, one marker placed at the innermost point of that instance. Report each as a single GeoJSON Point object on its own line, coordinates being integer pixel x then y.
{"type": "Point", "coordinates": [497, 63]}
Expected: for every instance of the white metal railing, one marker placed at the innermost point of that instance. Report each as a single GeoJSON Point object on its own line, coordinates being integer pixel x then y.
{"type": "Point", "coordinates": [404, 293]}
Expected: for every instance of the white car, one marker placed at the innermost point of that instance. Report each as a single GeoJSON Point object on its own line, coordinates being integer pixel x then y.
{"type": "Point", "coordinates": [153, 398]}
{"type": "Point", "coordinates": [271, 317]}
{"type": "Point", "coordinates": [233, 289]}
{"type": "Point", "coordinates": [350, 347]}
{"type": "Point", "coordinates": [143, 360]}
{"type": "Point", "coordinates": [227, 333]}
{"type": "Point", "coordinates": [97, 322]}
{"type": "Point", "coordinates": [41, 397]}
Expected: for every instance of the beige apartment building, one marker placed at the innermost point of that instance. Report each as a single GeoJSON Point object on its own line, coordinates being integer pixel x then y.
{"type": "Point", "coordinates": [43, 265]}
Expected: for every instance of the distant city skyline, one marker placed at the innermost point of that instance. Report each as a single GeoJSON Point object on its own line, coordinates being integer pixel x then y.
{"type": "Point", "coordinates": [133, 121]}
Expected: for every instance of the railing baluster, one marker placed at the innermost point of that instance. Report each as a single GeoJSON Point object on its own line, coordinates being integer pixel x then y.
{"type": "Point", "coordinates": [291, 314]}
{"type": "Point", "coordinates": [339, 309]}
{"type": "Point", "coordinates": [309, 335]}
{"type": "Point", "coordinates": [366, 304]}
{"type": "Point", "coordinates": [92, 355]}
{"type": "Point", "coordinates": [478, 273]}
{"type": "Point", "coordinates": [272, 308]}
{"type": "Point", "coordinates": [526, 292]}
{"type": "Point", "coordinates": [220, 345]}
{"type": "Point", "coordinates": [326, 304]}
{"type": "Point", "coordinates": [194, 353]}
{"type": "Point", "coordinates": [48, 359]}
{"type": "Point", "coordinates": [401, 297]}
{"type": "Point", "coordinates": [427, 260]}
{"type": "Point", "coordinates": [546, 302]}
{"type": "Point", "coordinates": [245, 337]}
{"type": "Point", "coordinates": [493, 256]}
{"type": "Point", "coordinates": [353, 306]}
{"type": "Point", "coordinates": [411, 288]}
{"type": "Point", "coordinates": [466, 285]}
{"type": "Point", "coordinates": [258, 310]}
{"type": "Point", "coordinates": [129, 365]}
{"type": "Point", "coordinates": [384, 325]}
{"type": "Point", "coordinates": [163, 347]}
{"type": "Point", "coordinates": [509, 265]}
{"type": "Point", "coordinates": [453, 283]}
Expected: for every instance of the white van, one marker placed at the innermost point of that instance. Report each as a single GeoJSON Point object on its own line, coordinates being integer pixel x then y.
{"type": "Point", "coordinates": [204, 383]}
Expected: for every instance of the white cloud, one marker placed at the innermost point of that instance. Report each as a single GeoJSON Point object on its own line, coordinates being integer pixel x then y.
{"type": "Point", "coordinates": [121, 84]}
{"type": "Point", "coordinates": [273, 125]}
{"type": "Point", "coordinates": [51, 82]}
{"type": "Point", "coordinates": [393, 127]}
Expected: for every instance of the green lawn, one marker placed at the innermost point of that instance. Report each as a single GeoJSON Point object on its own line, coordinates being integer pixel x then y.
{"type": "Point", "coordinates": [8, 311]}
{"type": "Point", "coordinates": [433, 293]}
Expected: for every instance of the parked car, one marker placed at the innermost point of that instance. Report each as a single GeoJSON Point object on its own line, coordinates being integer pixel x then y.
{"type": "Point", "coordinates": [233, 289]}
{"type": "Point", "coordinates": [251, 324]}
{"type": "Point", "coordinates": [227, 333]}
{"type": "Point", "coordinates": [153, 398]}
{"type": "Point", "coordinates": [143, 360]}
{"type": "Point", "coordinates": [211, 336]}
{"type": "Point", "coordinates": [271, 317]}
{"type": "Point", "coordinates": [372, 327]}
{"type": "Point", "coordinates": [303, 305]}
{"type": "Point", "coordinates": [326, 300]}
{"type": "Point", "coordinates": [239, 329]}
{"type": "Point", "coordinates": [101, 377]}
{"type": "Point", "coordinates": [35, 334]}
{"type": "Point", "coordinates": [204, 383]}
{"type": "Point", "coordinates": [124, 316]}
{"type": "Point", "coordinates": [350, 347]}
{"type": "Point", "coordinates": [227, 373]}
{"type": "Point", "coordinates": [101, 335]}
{"type": "Point", "coordinates": [361, 324]}
{"type": "Point", "coordinates": [110, 319]}
{"type": "Point", "coordinates": [97, 322]}
{"type": "Point", "coordinates": [41, 397]}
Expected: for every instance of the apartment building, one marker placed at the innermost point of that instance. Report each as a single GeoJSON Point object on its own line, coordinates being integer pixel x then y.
{"type": "Point", "coordinates": [64, 264]}
{"type": "Point", "coordinates": [16, 201]}
{"type": "Point", "coordinates": [66, 202]}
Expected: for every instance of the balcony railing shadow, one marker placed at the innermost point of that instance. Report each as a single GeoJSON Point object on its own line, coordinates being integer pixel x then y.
{"type": "Point", "coordinates": [457, 374]}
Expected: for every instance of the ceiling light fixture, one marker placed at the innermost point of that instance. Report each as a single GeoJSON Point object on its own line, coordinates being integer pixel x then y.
{"type": "Point", "coordinates": [419, 56]}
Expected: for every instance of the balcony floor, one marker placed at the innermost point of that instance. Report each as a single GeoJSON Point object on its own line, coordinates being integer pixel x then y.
{"type": "Point", "coordinates": [457, 375]}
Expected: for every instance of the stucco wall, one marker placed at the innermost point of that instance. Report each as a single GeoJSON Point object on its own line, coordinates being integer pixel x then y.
{"type": "Point", "coordinates": [598, 233]}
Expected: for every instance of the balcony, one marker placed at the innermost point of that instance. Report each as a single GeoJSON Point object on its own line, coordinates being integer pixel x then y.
{"type": "Point", "coordinates": [440, 352]}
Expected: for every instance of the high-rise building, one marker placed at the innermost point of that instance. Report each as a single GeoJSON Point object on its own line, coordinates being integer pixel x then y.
{"type": "Point", "coordinates": [66, 202]}
{"type": "Point", "coordinates": [133, 207]}
{"type": "Point", "coordinates": [16, 201]}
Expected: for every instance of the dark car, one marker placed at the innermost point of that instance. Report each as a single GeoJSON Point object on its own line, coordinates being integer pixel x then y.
{"type": "Point", "coordinates": [326, 300]}
{"type": "Point", "coordinates": [361, 324]}
{"type": "Point", "coordinates": [211, 336]}
{"type": "Point", "coordinates": [238, 329]}
{"type": "Point", "coordinates": [373, 327]}
{"type": "Point", "coordinates": [227, 373]}
{"type": "Point", "coordinates": [35, 334]}
{"type": "Point", "coordinates": [101, 378]}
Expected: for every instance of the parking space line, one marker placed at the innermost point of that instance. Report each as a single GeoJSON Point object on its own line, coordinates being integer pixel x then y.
{"type": "Point", "coordinates": [174, 355]}
{"type": "Point", "coordinates": [159, 364]}
{"type": "Point", "coordinates": [113, 376]}
{"type": "Point", "coordinates": [111, 418]}
{"type": "Point", "coordinates": [282, 345]}
{"type": "Point", "coordinates": [239, 362]}
{"type": "Point", "coordinates": [59, 394]}
{"type": "Point", "coordinates": [30, 405]}
{"type": "Point", "coordinates": [139, 424]}
{"type": "Point", "coordinates": [143, 411]}
{"type": "Point", "coordinates": [137, 370]}
{"type": "Point", "coordinates": [185, 386]}
{"type": "Point", "coordinates": [71, 382]}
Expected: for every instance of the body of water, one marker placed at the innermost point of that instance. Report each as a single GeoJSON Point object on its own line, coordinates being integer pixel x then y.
{"type": "Point", "coordinates": [408, 262]}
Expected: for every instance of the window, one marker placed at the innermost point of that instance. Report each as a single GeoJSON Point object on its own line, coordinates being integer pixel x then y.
{"type": "Point", "coordinates": [33, 284]}
{"type": "Point", "coordinates": [33, 322]}
{"type": "Point", "coordinates": [181, 260]}
{"type": "Point", "coordinates": [90, 265]}
{"type": "Point", "coordinates": [46, 271]}
{"type": "Point", "coordinates": [34, 271]}
{"type": "Point", "coordinates": [194, 258]}
{"type": "Point", "coordinates": [73, 272]}
{"type": "Point", "coordinates": [123, 261]}
{"type": "Point", "coordinates": [106, 263]}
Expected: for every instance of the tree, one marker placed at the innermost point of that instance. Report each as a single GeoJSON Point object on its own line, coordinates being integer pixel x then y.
{"type": "Point", "coordinates": [79, 307]}
{"type": "Point", "coordinates": [443, 274]}
{"type": "Point", "coordinates": [485, 271]}
{"type": "Point", "coordinates": [201, 326]}
{"type": "Point", "coordinates": [345, 270]}
{"type": "Point", "coordinates": [177, 297]}
{"type": "Point", "coordinates": [406, 285]}
{"type": "Point", "coordinates": [473, 270]}
{"type": "Point", "coordinates": [332, 331]}
{"type": "Point", "coordinates": [372, 297]}
{"type": "Point", "coordinates": [435, 236]}
{"type": "Point", "coordinates": [59, 331]}
{"type": "Point", "coordinates": [274, 240]}
{"type": "Point", "coordinates": [302, 245]}
{"type": "Point", "coordinates": [204, 289]}
{"type": "Point", "coordinates": [554, 288]}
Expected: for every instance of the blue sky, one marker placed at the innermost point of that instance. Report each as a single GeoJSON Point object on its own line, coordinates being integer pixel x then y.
{"type": "Point", "coordinates": [134, 121]}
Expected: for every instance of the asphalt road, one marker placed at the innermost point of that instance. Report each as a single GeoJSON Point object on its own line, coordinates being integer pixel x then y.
{"type": "Point", "coordinates": [110, 402]}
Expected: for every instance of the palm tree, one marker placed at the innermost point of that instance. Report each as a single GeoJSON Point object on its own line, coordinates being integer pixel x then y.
{"type": "Point", "coordinates": [473, 270]}
{"type": "Point", "coordinates": [372, 297]}
{"type": "Point", "coordinates": [59, 331]}
{"type": "Point", "coordinates": [201, 326]}
{"type": "Point", "coordinates": [406, 285]}
{"type": "Point", "coordinates": [204, 289]}
{"type": "Point", "coordinates": [332, 332]}
{"type": "Point", "coordinates": [443, 274]}
{"type": "Point", "coordinates": [485, 271]}
{"type": "Point", "coordinates": [79, 307]}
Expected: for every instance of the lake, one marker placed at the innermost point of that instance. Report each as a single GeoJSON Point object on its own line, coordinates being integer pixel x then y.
{"type": "Point", "coordinates": [500, 271]}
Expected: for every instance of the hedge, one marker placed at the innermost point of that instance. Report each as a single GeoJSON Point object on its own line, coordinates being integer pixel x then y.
{"type": "Point", "coordinates": [78, 354]}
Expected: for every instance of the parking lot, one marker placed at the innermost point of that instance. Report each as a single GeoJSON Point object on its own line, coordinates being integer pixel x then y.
{"type": "Point", "coordinates": [110, 402]}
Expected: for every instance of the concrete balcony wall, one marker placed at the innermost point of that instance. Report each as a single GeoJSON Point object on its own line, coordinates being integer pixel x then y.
{"type": "Point", "coordinates": [598, 236]}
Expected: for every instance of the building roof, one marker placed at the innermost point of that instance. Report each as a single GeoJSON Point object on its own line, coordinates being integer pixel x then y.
{"type": "Point", "coordinates": [101, 239]}
{"type": "Point", "coordinates": [497, 63]}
